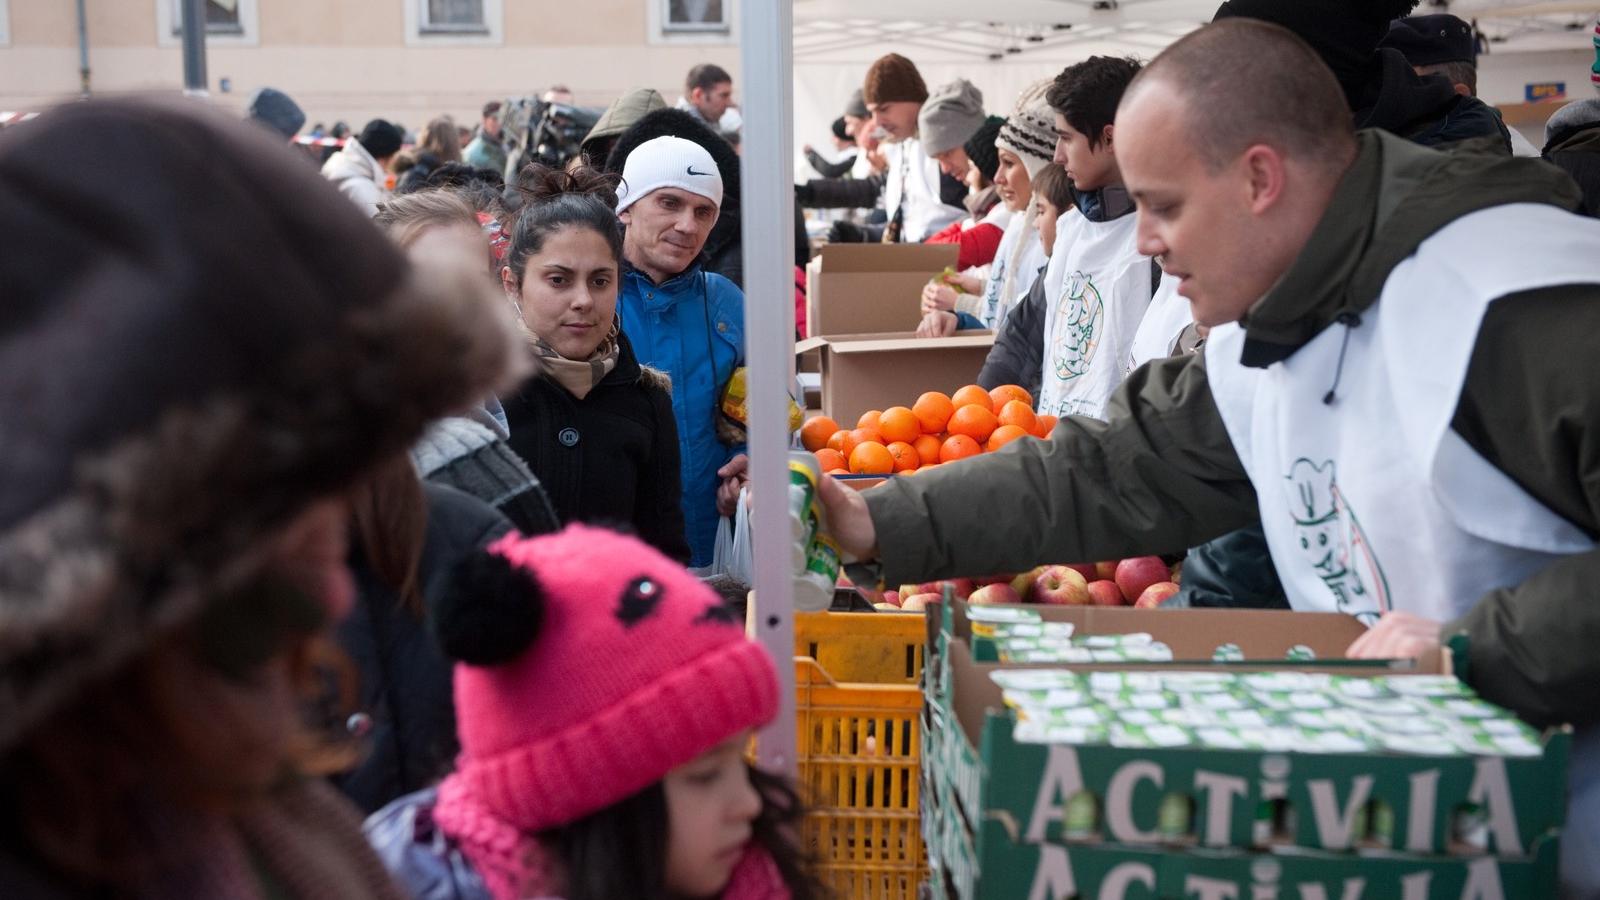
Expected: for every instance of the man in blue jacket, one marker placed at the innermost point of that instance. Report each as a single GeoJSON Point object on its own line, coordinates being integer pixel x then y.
{"type": "Point", "coordinates": [683, 320]}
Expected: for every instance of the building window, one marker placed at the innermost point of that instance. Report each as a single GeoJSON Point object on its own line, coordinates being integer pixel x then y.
{"type": "Point", "coordinates": [222, 17]}
{"type": "Point", "coordinates": [695, 16]}
{"type": "Point", "coordinates": [453, 17]}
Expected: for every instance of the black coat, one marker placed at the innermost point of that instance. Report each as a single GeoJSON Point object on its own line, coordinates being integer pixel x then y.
{"type": "Point", "coordinates": [406, 712]}
{"type": "Point", "coordinates": [610, 458]}
{"type": "Point", "coordinates": [1577, 151]}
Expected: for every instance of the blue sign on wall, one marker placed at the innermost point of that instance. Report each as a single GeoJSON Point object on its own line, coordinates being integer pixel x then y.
{"type": "Point", "coordinates": [1542, 91]}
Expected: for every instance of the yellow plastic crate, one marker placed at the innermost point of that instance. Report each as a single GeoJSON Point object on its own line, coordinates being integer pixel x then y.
{"type": "Point", "coordinates": [858, 706]}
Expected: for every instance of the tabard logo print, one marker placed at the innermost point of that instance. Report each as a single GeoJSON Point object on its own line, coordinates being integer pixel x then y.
{"type": "Point", "coordinates": [1081, 316]}
{"type": "Point", "coordinates": [1332, 541]}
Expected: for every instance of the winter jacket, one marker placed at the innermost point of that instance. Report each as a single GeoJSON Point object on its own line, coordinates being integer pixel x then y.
{"type": "Point", "coordinates": [977, 239]}
{"type": "Point", "coordinates": [611, 457]}
{"type": "Point", "coordinates": [831, 169]}
{"type": "Point", "coordinates": [1577, 152]}
{"type": "Point", "coordinates": [692, 328]}
{"type": "Point", "coordinates": [1161, 475]}
{"type": "Point", "coordinates": [358, 176]}
{"type": "Point", "coordinates": [1017, 356]}
{"type": "Point", "coordinates": [619, 117]}
{"type": "Point", "coordinates": [485, 152]}
{"type": "Point", "coordinates": [471, 455]}
{"type": "Point", "coordinates": [404, 676]}
{"type": "Point", "coordinates": [1425, 108]}
{"type": "Point", "coordinates": [424, 863]}
{"type": "Point", "coordinates": [840, 193]}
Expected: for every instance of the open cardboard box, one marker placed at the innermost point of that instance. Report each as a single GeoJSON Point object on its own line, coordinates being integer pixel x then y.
{"type": "Point", "coordinates": [879, 370]}
{"type": "Point", "coordinates": [871, 288]}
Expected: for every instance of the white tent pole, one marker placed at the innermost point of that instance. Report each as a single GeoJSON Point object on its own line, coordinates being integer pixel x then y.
{"type": "Point", "coordinates": [766, 204]}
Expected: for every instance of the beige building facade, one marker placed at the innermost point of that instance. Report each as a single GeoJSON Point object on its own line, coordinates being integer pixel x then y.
{"type": "Point", "coordinates": [406, 60]}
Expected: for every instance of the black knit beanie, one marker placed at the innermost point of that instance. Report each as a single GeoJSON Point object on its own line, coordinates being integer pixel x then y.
{"type": "Point", "coordinates": [380, 138]}
{"type": "Point", "coordinates": [1345, 33]}
{"type": "Point", "coordinates": [980, 147]}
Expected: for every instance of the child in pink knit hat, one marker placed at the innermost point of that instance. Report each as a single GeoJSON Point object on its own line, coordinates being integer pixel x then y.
{"type": "Point", "coordinates": [604, 700]}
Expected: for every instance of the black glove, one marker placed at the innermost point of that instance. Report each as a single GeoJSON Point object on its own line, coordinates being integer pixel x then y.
{"type": "Point", "coordinates": [846, 233]}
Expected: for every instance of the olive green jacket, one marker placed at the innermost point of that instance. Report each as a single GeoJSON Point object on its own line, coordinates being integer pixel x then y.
{"type": "Point", "coordinates": [1162, 475]}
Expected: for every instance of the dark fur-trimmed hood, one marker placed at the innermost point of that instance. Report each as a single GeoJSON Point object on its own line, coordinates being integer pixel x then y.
{"type": "Point", "coordinates": [198, 337]}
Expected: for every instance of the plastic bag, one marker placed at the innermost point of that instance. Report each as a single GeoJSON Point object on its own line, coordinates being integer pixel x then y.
{"type": "Point", "coordinates": [734, 554]}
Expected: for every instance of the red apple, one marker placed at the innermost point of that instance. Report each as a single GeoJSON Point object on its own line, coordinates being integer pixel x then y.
{"type": "Point", "coordinates": [1061, 586]}
{"type": "Point", "coordinates": [1023, 585]}
{"type": "Point", "coordinates": [1105, 593]}
{"type": "Point", "coordinates": [992, 579]}
{"type": "Point", "coordinates": [918, 602]}
{"type": "Point", "coordinates": [994, 593]}
{"type": "Point", "coordinates": [885, 607]}
{"type": "Point", "coordinates": [963, 587]}
{"type": "Point", "coordinates": [1154, 594]}
{"type": "Point", "coordinates": [891, 597]}
{"type": "Point", "coordinates": [911, 590]}
{"type": "Point", "coordinates": [1105, 571]}
{"type": "Point", "coordinates": [1084, 569]}
{"type": "Point", "coordinates": [1136, 574]}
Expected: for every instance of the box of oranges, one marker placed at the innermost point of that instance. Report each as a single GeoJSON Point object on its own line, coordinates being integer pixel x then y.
{"type": "Point", "coordinates": [936, 429]}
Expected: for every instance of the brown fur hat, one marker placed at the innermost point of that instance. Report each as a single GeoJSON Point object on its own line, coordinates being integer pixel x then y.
{"type": "Point", "coordinates": [893, 78]}
{"type": "Point", "coordinates": [199, 337]}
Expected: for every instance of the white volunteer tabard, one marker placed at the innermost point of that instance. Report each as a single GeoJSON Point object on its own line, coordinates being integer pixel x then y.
{"type": "Point", "coordinates": [1016, 264]}
{"type": "Point", "coordinates": [1373, 503]}
{"type": "Point", "coordinates": [915, 176]}
{"type": "Point", "coordinates": [1169, 314]}
{"type": "Point", "coordinates": [1099, 288]}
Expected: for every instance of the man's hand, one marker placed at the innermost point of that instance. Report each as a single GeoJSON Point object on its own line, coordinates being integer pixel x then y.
{"type": "Point", "coordinates": [937, 323]}
{"type": "Point", "coordinates": [848, 520]}
{"type": "Point", "coordinates": [937, 296]}
{"type": "Point", "coordinates": [1397, 635]}
{"type": "Point", "coordinates": [878, 160]}
{"type": "Point", "coordinates": [734, 475]}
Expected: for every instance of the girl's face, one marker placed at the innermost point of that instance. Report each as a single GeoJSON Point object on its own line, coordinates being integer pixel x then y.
{"type": "Point", "coordinates": [1012, 182]}
{"type": "Point", "coordinates": [568, 293]}
{"type": "Point", "coordinates": [1044, 219]}
{"type": "Point", "coordinates": [711, 806]}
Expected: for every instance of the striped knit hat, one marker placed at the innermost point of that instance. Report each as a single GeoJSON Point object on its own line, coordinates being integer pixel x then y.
{"type": "Point", "coordinates": [1030, 133]}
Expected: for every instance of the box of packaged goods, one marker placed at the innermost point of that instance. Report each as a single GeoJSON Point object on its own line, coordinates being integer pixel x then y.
{"type": "Point", "coordinates": [1316, 768]}
{"type": "Point", "coordinates": [871, 288]}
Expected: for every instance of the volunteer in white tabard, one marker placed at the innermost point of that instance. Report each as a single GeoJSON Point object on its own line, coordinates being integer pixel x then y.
{"type": "Point", "coordinates": [1164, 321]}
{"type": "Point", "coordinates": [1025, 145]}
{"type": "Point", "coordinates": [1098, 282]}
{"type": "Point", "coordinates": [919, 198]}
{"type": "Point", "coordinates": [1399, 384]}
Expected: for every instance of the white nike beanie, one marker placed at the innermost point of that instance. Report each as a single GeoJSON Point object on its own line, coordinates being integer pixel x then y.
{"type": "Point", "coordinates": [669, 162]}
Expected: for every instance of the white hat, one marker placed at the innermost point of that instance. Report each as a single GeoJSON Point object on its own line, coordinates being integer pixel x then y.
{"type": "Point", "coordinates": [665, 162]}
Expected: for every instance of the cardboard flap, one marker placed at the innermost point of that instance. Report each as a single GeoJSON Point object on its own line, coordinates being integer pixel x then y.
{"type": "Point", "coordinates": [855, 344]}
{"type": "Point", "coordinates": [928, 259]}
{"type": "Point", "coordinates": [809, 344]}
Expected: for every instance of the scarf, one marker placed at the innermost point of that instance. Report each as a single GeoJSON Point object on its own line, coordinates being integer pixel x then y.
{"type": "Point", "coordinates": [580, 376]}
{"type": "Point", "coordinates": [513, 866]}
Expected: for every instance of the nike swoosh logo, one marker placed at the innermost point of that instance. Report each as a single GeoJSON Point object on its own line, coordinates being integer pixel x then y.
{"type": "Point", "coordinates": [693, 172]}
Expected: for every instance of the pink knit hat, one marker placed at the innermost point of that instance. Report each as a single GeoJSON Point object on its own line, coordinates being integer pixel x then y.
{"type": "Point", "coordinates": [592, 667]}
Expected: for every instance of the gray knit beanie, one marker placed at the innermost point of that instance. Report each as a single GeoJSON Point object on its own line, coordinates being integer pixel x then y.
{"type": "Point", "coordinates": [1030, 133]}
{"type": "Point", "coordinates": [1576, 114]}
{"type": "Point", "coordinates": [857, 107]}
{"type": "Point", "coordinates": [951, 114]}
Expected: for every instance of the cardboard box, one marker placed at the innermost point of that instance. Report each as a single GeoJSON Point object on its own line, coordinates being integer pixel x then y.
{"type": "Point", "coordinates": [876, 371]}
{"type": "Point", "coordinates": [987, 775]}
{"type": "Point", "coordinates": [870, 288]}
{"type": "Point", "coordinates": [1009, 869]}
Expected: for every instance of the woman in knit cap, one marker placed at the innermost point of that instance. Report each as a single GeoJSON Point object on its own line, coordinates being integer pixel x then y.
{"type": "Point", "coordinates": [181, 421]}
{"type": "Point", "coordinates": [605, 700]}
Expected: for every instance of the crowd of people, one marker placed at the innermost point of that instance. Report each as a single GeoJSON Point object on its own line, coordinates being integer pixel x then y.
{"type": "Point", "coordinates": [355, 509]}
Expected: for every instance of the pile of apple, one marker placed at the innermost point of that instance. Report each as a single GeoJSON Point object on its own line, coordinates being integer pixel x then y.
{"type": "Point", "coordinates": [1141, 581]}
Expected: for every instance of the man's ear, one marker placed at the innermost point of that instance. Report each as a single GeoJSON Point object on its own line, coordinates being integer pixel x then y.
{"type": "Point", "coordinates": [625, 217]}
{"type": "Point", "coordinates": [1105, 135]}
{"type": "Point", "coordinates": [1268, 175]}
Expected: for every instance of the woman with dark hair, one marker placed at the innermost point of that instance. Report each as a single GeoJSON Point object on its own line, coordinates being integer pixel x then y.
{"type": "Point", "coordinates": [594, 426]}
{"type": "Point", "coordinates": [173, 540]}
{"type": "Point", "coordinates": [606, 699]}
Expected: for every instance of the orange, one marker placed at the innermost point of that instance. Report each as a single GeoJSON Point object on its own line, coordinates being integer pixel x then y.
{"type": "Point", "coordinates": [1043, 425]}
{"type": "Point", "coordinates": [1005, 393]}
{"type": "Point", "coordinates": [928, 448]}
{"type": "Point", "coordinates": [958, 446]}
{"type": "Point", "coordinates": [974, 421]}
{"type": "Point", "coordinates": [858, 437]}
{"type": "Point", "coordinates": [871, 458]}
{"type": "Point", "coordinates": [972, 395]}
{"type": "Point", "coordinates": [906, 458]}
{"type": "Point", "coordinates": [899, 424]}
{"type": "Point", "coordinates": [814, 434]}
{"type": "Point", "coordinates": [830, 459]}
{"type": "Point", "coordinates": [838, 472]}
{"type": "Point", "coordinates": [933, 410]}
{"type": "Point", "coordinates": [1019, 414]}
{"type": "Point", "coordinates": [1004, 435]}
{"type": "Point", "coordinates": [869, 419]}
{"type": "Point", "coordinates": [837, 439]}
